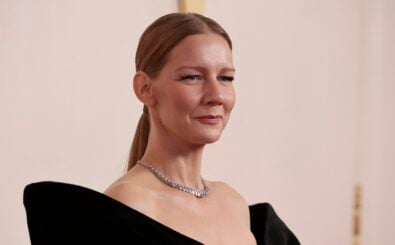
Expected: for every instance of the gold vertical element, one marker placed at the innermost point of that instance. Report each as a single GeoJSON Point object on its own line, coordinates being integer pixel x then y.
{"type": "Point", "coordinates": [195, 6]}
{"type": "Point", "coordinates": [356, 236]}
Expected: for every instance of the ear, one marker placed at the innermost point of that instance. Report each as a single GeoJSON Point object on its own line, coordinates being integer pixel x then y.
{"type": "Point", "coordinates": [142, 86]}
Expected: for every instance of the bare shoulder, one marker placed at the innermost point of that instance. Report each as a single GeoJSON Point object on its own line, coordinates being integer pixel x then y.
{"type": "Point", "coordinates": [226, 191]}
{"type": "Point", "coordinates": [131, 193]}
{"type": "Point", "coordinates": [121, 190]}
{"type": "Point", "coordinates": [231, 199]}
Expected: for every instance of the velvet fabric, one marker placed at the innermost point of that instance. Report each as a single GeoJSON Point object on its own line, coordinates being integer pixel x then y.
{"type": "Point", "coordinates": [62, 213]}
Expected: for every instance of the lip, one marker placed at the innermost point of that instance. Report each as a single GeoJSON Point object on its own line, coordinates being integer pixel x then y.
{"type": "Point", "coordinates": [209, 119]}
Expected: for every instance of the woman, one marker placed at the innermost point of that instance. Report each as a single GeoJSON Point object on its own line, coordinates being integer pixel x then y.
{"type": "Point", "coordinates": [184, 74]}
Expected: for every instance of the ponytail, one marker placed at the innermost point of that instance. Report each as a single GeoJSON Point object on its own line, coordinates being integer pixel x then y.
{"type": "Point", "coordinates": [140, 139]}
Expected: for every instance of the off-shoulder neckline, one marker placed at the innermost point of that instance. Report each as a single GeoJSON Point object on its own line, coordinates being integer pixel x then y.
{"type": "Point", "coordinates": [120, 204]}
{"type": "Point", "coordinates": [42, 184]}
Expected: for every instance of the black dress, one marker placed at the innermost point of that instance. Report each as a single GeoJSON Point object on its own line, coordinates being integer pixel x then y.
{"type": "Point", "coordinates": [61, 213]}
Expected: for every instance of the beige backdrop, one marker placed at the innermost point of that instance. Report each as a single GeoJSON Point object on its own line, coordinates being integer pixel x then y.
{"type": "Point", "coordinates": [314, 113]}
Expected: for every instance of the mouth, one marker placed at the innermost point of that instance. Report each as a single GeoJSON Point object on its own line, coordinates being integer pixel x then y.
{"type": "Point", "coordinates": [209, 119]}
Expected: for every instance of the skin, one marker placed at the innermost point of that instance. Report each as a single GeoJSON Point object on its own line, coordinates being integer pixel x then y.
{"type": "Point", "coordinates": [195, 81]}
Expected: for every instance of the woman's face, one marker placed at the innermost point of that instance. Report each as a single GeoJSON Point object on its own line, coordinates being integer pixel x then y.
{"type": "Point", "coordinates": [194, 92]}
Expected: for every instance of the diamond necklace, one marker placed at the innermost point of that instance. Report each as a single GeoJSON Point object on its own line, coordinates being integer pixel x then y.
{"type": "Point", "coordinates": [199, 193]}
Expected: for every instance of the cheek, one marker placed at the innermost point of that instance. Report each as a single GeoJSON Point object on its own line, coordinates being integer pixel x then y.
{"type": "Point", "coordinates": [184, 100]}
{"type": "Point", "coordinates": [230, 100]}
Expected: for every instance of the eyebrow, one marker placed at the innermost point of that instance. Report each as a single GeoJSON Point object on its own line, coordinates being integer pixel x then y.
{"type": "Point", "coordinates": [202, 68]}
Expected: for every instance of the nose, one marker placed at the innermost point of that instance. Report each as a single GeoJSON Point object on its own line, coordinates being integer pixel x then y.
{"type": "Point", "coordinates": [213, 92]}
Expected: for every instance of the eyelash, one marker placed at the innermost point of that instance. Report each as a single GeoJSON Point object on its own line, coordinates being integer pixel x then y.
{"type": "Point", "coordinates": [198, 77]}
{"type": "Point", "coordinates": [191, 77]}
{"type": "Point", "coordinates": [226, 78]}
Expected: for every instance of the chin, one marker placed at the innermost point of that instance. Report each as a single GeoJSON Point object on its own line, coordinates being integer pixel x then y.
{"type": "Point", "coordinates": [203, 137]}
{"type": "Point", "coordinates": [209, 139]}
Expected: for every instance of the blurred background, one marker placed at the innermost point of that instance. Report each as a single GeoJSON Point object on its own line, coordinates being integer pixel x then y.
{"type": "Point", "coordinates": [314, 115]}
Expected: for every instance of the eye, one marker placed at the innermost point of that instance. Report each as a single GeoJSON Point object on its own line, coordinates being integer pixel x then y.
{"type": "Point", "coordinates": [191, 77]}
{"type": "Point", "coordinates": [226, 78]}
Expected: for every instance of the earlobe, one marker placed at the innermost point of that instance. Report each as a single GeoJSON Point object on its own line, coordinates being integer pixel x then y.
{"type": "Point", "coordinates": [142, 86]}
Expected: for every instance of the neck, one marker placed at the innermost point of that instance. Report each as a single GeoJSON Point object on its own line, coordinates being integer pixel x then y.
{"type": "Point", "coordinates": [178, 162]}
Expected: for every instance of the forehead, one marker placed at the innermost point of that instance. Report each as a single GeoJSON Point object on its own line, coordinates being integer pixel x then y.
{"type": "Point", "coordinates": [201, 50]}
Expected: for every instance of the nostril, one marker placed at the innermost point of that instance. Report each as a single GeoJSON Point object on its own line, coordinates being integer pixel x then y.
{"type": "Point", "coordinates": [214, 103]}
